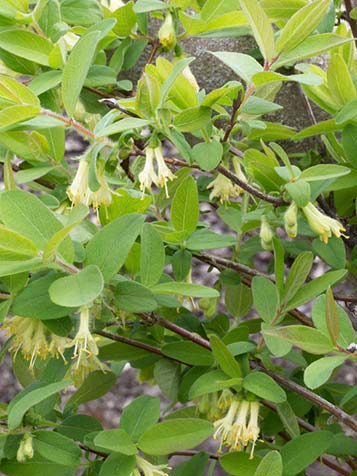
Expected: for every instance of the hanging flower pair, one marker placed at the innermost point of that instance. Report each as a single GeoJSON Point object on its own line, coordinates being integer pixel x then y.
{"type": "Point", "coordinates": [223, 189]}
{"type": "Point", "coordinates": [158, 175]}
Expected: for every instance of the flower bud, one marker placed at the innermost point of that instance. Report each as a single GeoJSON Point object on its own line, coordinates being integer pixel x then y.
{"type": "Point", "coordinates": [167, 33]}
{"type": "Point", "coordinates": [266, 235]}
{"type": "Point", "coordinates": [25, 450]}
{"type": "Point", "coordinates": [290, 220]}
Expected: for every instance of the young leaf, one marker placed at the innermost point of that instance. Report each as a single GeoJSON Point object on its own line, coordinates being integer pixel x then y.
{"type": "Point", "coordinates": [340, 81]}
{"type": "Point", "coordinates": [301, 24]}
{"type": "Point", "coordinates": [243, 65]}
{"type": "Point", "coordinates": [261, 26]}
{"type": "Point", "coordinates": [225, 359]}
{"type": "Point", "coordinates": [298, 274]}
{"type": "Point", "coordinates": [265, 298]}
{"type": "Point", "coordinates": [332, 317]}
{"type": "Point", "coordinates": [185, 207]}
{"type": "Point", "coordinates": [76, 69]}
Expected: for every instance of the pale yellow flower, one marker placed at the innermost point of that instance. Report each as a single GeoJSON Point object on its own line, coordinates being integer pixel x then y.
{"type": "Point", "coordinates": [163, 172]}
{"type": "Point", "coordinates": [146, 468]}
{"type": "Point", "coordinates": [321, 224]}
{"type": "Point", "coordinates": [223, 189]}
{"type": "Point", "coordinates": [25, 450]}
{"type": "Point", "coordinates": [29, 336]}
{"type": "Point", "coordinates": [84, 343]}
{"type": "Point", "coordinates": [167, 33]}
{"type": "Point", "coordinates": [266, 235]}
{"type": "Point", "coordinates": [149, 175]}
{"type": "Point", "coordinates": [290, 220]}
{"type": "Point", "coordinates": [239, 428]}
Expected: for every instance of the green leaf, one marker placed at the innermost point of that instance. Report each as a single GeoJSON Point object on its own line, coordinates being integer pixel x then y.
{"type": "Point", "coordinates": [271, 464]}
{"type": "Point", "coordinates": [318, 373]}
{"type": "Point", "coordinates": [152, 258]}
{"type": "Point", "coordinates": [215, 8]}
{"type": "Point", "coordinates": [301, 24]}
{"type": "Point", "coordinates": [302, 451]}
{"type": "Point", "coordinates": [56, 448]}
{"type": "Point", "coordinates": [208, 382]}
{"type": "Point", "coordinates": [27, 399]}
{"type": "Point", "coordinates": [77, 426]}
{"type": "Point", "coordinates": [225, 359]}
{"type": "Point", "coordinates": [14, 246]}
{"type": "Point", "coordinates": [311, 46]}
{"type": "Point", "coordinates": [265, 297]}
{"type": "Point", "coordinates": [333, 252]}
{"type": "Point", "coordinates": [13, 92]}
{"type": "Point", "coordinates": [323, 172]}
{"type": "Point", "coordinates": [175, 435]}
{"type": "Point", "coordinates": [332, 317]}
{"type": "Point", "coordinates": [173, 78]}
{"type": "Point", "coordinates": [35, 302]}
{"type": "Point", "coordinates": [96, 385]}
{"type": "Point", "coordinates": [347, 113]}
{"type": "Point", "coordinates": [340, 81]}
{"type": "Point", "coordinates": [239, 463]}
{"type": "Point", "coordinates": [14, 114]}
{"type": "Point", "coordinates": [26, 45]}
{"type": "Point", "coordinates": [346, 335]}
{"type": "Point", "coordinates": [143, 6]}
{"type": "Point", "coordinates": [308, 339]}
{"type": "Point", "coordinates": [193, 119]}
{"type": "Point", "coordinates": [207, 154]}
{"type": "Point", "coordinates": [188, 352]}
{"type": "Point", "coordinates": [264, 387]}
{"type": "Point", "coordinates": [185, 206]}
{"type": "Point", "coordinates": [167, 376]}
{"type": "Point", "coordinates": [116, 464]}
{"type": "Point", "coordinates": [258, 106]}
{"type": "Point", "coordinates": [243, 65]}
{"type": "Point", "coordinates": [109, 248]}
{"type": "Point", "coordinates": [349, 143]}
{"type": "Point", "coordinates": [148, 95]}
{"type": "Point", "coordinates": [79, 289]}
{"type": "Point", "coordinates": [131, 296]}
{"type": "Point", "coordinates": [123, 125]}
{"type": "Point", "coordinates": [298, 273]}
{"type": "Point", "coordinates": [315, 287]}
{"type": "Point", "coordinates": [76, 69]}
{"type": "Point", "coordinates": [185, 289]}
{"type": "Point", "coordinates": [14, 267]}
{"type": "Point", "coordinates": [80, 12]}
{"type": "Point", "coordinates": [288, 419]}
{"type": "Point", "coordinates": [116, 440]}
{"type": "Point", "coordinates": [300, 192]}
{"type": "Point", "coordinates": [37, 467]}
{"type": "Point", "coordinates": [238, 299]}
{"type": "Point", "coordinates": [77, 214]}
{"type": "Point", "coordinates": [205, 240]}
{"type": "Point", "coordinates": [139, 415]}
{"type": "Point", "coordinates": [261, 27]}
{"type": "Point", "coordinates": [26, 214]}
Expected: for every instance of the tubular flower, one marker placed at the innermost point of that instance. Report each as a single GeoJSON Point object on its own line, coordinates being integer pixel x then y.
{"type": "Point", "coordinates": [147, 469]}
{"type": "Point", "coordinates": [83, 343]}
{"type": "Point", "coordinates": [112, 5]}
{"type": "Point", "coordinates": [79, 191]}
{"type": "Point", "coordinates": [266, 235]}
{"type": "Point", "coordinates": [57, 346]}
{"type": "Point", "coordinates": [321, 224]}
{"type": "Point", "coordinates": [25, 450]}
{"type": "Point", "coordinates": [148, 175]}
{"type": "Point", "coordinates": [223, 189]}
{"type": "Point", "coordinates": [290, 220]}
{"type": "Point", "coordinates": [29, 337]}
{"type": "Point", "coordinates": [163, 172]}
{"type": "Point", "coordinates": [235, 430]}
{"type": "Point", "coordinates": [238, 170]}
{"type": "Point", "coordinates": [167, 33]}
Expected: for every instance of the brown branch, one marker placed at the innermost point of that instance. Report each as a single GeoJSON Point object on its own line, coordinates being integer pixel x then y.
{"type": "Point", "coordinates": [194, 452]}
{"type": "Point", "coordinates": [353, 24]}
{"type": "Point", "coordinates": [232, 121]}
{"type": "Point", "coordinates": [70, 122]}
{"type": "Point", "coordinates": [311, 396]}
{"type": "Point", "coordinates": [155, 45]}
{"type": "Point", "coordinates": [340, 297]}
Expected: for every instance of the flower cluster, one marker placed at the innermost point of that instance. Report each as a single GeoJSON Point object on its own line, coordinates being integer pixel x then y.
{"type": "Point", "coordinates": [149, 175]}
{"type": "Point", "coordinates": [223, 188]}
{"type": "Point", "coordinates": [79, 191]}
{"type": "Point", "coordinates": [239, 427]}
{"type": "Point", "coordinates": [34, 340]}
{"type": "Point", "coordinates": [321, 224]}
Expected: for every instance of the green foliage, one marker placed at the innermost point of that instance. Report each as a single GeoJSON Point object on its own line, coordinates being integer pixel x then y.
{"type": "Point", "coordinates": [106, 258]}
